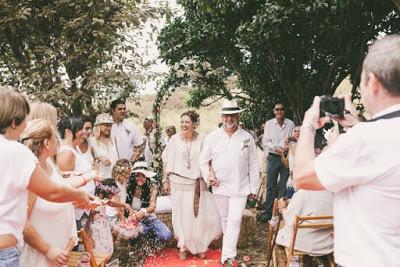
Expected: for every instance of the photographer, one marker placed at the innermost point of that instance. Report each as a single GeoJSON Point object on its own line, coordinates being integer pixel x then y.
{"type": "Point", "coordinates": [357, 168]}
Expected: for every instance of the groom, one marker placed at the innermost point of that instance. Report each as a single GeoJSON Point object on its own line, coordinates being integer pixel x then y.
{"type": "Point", "coordinates": [229, 164]}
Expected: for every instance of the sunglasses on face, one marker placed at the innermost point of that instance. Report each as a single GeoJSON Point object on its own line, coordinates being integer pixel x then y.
{"type": "Point", "coordinates": [279, 109]}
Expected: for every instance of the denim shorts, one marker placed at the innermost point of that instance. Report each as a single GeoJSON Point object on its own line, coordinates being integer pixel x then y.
{"type": "Point", "coordinates": [9, 257]}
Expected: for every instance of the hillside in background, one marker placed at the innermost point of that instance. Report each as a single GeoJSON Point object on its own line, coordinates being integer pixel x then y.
{"type": "Point", "coordinates": [171, 111]}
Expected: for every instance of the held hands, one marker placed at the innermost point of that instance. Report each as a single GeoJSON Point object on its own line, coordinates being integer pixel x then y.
{"type": "Point", "coordinates": [212, 181]}
{"type": "Point", "coordinates": [166, 188]}
{"type": "Point", "coordinates": [57, 256]}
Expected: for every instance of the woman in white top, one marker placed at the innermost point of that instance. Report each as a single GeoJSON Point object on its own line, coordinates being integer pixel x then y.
{"type": "Point", "coordinates": [195, 218]}
{"type": "Point", "coordinates": [44, 246]}
{"type": "Point", "coordinates": [70, 161]}
{"type": "Point", "coordinates": [20, 172]}
{"type": "Point", "coordinates": [288, 161]}
{"type": "Point", "coordinates": [84, 148]}
{"type": "Point", "coordinates": [103, 144]}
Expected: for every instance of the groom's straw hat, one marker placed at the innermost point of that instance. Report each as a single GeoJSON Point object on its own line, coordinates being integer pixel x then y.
{"type": "Point", "coordinates": [230, 107]}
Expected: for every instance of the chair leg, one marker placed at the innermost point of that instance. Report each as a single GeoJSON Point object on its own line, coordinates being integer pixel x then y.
{"type": "Point", "coordinates": [331, 260]}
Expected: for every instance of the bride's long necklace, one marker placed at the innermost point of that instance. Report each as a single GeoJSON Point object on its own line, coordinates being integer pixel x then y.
{"type": "Point", "coordinates": [188, 150]}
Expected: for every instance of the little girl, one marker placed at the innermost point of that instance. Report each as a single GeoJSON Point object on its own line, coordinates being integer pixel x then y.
{"type": "Point", "coordinates": [99, 227]}
{"type": "Point", "coordinates": [120, 174]}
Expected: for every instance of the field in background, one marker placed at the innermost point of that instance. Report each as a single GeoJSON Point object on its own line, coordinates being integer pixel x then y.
{"type": "Point", "coordinates": [171, 111]}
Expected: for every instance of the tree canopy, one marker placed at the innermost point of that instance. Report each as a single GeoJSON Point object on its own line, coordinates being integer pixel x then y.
{"type": "Point", "coordinates": [278, 50]}
{"type": "Point", "coordinates": [75, 54]}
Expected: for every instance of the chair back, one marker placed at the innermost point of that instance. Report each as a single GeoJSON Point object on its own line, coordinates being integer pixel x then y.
{"type": "Point", "coordinates": [305, 222]}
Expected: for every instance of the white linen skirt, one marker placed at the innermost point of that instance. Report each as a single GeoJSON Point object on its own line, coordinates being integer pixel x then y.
{"type": "Point", "coordinates": [194, 233]}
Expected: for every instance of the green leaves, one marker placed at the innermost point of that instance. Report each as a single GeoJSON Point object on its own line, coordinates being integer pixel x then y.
{"type": "Point", "coordinates": [280, 50]}
{"type": "Point", "coordinates": [68, 52]}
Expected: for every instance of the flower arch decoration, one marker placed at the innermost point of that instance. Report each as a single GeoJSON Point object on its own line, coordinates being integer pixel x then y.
{"type": "Point", "coordinates": [191, 73]}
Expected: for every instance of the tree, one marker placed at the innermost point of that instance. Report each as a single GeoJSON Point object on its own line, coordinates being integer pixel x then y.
{"type": "Point", "coordinates": [75, 54]}
{"type": "Point", "coordinates": [279, 50]}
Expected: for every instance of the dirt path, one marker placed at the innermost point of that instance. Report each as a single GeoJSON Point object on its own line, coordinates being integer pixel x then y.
{"type": "Point", "coordinates": [134, 255]}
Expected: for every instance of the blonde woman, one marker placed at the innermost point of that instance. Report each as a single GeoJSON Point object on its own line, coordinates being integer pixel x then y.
{"type": "Point", "coordinates": [44, 246]}
{"type": "Point", "coordinates": [45, 111]}
{"type": "Point", "coordinates": [21, 172]}
{"type": "Point", "coordinates": [103, 144]}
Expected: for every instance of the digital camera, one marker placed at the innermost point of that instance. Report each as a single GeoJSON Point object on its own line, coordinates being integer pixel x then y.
{"type": "Point", "coordinates": [331, 106]}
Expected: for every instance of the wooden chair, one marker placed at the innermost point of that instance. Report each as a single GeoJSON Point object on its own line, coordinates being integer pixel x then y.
{"type": "Point", "coordinates": [96, 260]}
{"type": "Point", "coordinates": [271, 230]}
{"type": "Point", "coordinates": [290, 252]}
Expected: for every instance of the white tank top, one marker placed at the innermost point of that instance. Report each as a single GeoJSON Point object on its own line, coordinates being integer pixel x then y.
{"type": "Point", "coordinates": [81, 166]}
{"type": "Point", "coordinates": [47, 216]}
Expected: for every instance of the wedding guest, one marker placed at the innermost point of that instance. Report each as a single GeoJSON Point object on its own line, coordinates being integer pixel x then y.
{"type": "Point", "coordinates": [169, 132]}
{"type": "Point", "coordinates": [142, 196]}
{"type": "Point", "coordinates": [21, 172]}
{"type": "Point", "coordinates": [44, 246]}
{"type": "Point", "coordinates": [195, 218]}
{"type": "Point", "coordinates": [104, 148]}
{"type": "Point", "coordinates": [71, 161]}
{"type": "Point", "coordinates": [45, 111]}
{"type": "Point", "coordinates": [312, 241]}
{"type": "Point", "coordinates": [99, 226]}
{"type": "Point", "coordinates": [84, 148]}
{"type": "Point", "coordinates": [127, 138]}
{"type": "Point", "coordinates": [276, 131]}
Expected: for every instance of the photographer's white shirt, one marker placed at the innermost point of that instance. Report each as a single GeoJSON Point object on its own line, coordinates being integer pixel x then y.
{"type": "Point", "coordinates": [363, 170]}
{"type": "Point", "coordinates": [234, 161]}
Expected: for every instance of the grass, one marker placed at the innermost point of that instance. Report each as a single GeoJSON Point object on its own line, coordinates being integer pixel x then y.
{"type": "Point", "coordinates": [172, 110]}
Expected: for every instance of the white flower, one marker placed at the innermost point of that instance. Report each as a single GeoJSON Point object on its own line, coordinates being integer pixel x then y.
{"type": "Point", "coordinates": [193, 75]}
{"type": "Point", "coordinates": [191, 61]}
{"type": "Point", "coordinates": [176, 66]}
{"type": "Point", "coordinates": [180, 73]}
{"type": "Point", "coordinates": [246, 143]}
{"type": "Point", "coordinates": [206, 65]}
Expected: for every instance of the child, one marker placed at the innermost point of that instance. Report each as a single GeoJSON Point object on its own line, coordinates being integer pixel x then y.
{"type": "Point", "coordinates": [120, 174]}
{"type": "Point", "coordinates": [98, 226]}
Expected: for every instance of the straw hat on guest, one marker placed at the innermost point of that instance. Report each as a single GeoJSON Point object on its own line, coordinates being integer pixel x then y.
{"type": "Point", "coordinates": [141, 167]}
{"type": "Point", "coordinates": [103, 118]}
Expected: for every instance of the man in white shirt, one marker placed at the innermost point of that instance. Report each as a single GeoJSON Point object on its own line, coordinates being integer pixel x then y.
{"type": "Point", "coordinates": [229, 164]}
{"type": "Point", "coordinates": [362, 168]}
{"type": "Point", "coordinates": [126, 136]}
{"type": "Point", "coordinates": [276, 132]}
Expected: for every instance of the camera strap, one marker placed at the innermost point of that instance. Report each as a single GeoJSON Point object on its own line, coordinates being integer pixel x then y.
{"type": "Point", "coordinates": [390, 115]}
